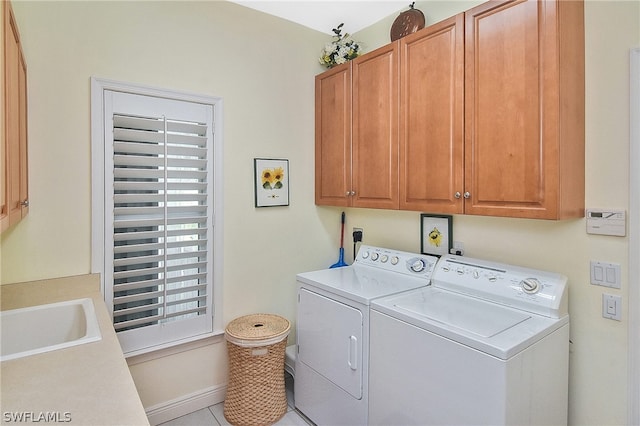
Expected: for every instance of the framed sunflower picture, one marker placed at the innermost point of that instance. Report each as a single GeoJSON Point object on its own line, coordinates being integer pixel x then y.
{"type": "Point", "coordinates": [437, 234]}
{"type": "Point", "coordinates": [271, 178]}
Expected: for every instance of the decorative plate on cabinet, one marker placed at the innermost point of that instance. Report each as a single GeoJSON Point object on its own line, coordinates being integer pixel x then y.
{"type": "Point", "coordinates": [406, 23]}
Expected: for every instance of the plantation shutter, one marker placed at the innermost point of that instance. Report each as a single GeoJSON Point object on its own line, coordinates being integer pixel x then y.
{"type": "Point", "coordinates": [161, 256]}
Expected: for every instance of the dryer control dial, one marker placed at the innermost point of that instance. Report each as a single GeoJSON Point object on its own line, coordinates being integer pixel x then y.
{"type": "Point", "coordinates": [401, 262]}
{"type": "Point", "coordinates": [417, 265]}
{"type": "Point", "coordinates": [530, 285]}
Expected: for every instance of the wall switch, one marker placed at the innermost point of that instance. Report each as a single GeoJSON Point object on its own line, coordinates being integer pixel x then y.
{"type": "Point", "coordinates": [605, 274]}
{"type": "Point", "coordinates": [612, 306]}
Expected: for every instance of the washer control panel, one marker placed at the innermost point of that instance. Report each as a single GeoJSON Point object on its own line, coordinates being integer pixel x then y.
{"type": "Point", "coordinates": [536, 291]}
{"type": "Point", "coordinates": [418, 265]}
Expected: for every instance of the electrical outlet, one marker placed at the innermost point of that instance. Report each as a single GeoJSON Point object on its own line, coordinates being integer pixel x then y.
{"type": "Point", "coordinates": [458, 248]}
{"type": "Point", "coordinates": [361, 231]}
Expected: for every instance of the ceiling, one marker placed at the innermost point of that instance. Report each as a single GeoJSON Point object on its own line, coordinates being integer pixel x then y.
{"type": "Point", "coordinates": [324, 15]}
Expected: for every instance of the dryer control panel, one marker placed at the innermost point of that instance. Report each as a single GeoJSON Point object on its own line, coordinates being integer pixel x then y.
{"type": "Point", "coordinates": [536, 291]}
{"type": "Point", "coordinates": [417, 265]}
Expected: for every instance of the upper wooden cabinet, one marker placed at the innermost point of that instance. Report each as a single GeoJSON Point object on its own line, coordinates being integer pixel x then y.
{"type": "Point", "coordinates": [14, 198]}
{"type": "Point", "coordinates": [333, 136]}
{"type": "Point", "coordinates": [432, 118]}
{"type": "Point", "coordinates": [375, 129]}
{"type": "Point", "coordinates": [524, 109]}
{"type": "Point", "coordinates": [357, 132]}
{"type": "Point", "coordinates": [491, 113]}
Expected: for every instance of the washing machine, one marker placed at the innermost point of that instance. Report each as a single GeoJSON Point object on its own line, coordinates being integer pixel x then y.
{"type": "Point", "coordinates": [486, 344]}
{"type": "Point", "coordinates": [331, 381]}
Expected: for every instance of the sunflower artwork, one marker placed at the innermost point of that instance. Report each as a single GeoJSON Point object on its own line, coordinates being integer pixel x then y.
{"type": "Point", "coordinates": [272, 184]}
{"type": "Point", "coordinates": [272, 179]}
{"type": "Point", "coordinates": [435, 237]}
{"type": "Point", "coordinates": [436, 234]}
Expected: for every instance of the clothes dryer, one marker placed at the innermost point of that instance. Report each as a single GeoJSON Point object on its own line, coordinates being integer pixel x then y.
{"type": "Point", "coordinates": [331, 382]}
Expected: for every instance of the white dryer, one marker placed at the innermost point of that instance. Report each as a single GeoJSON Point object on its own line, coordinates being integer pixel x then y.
{"type": "Point", "coordinates": [331, 382]}
{"type": "Point", "coordinates": [485, 344]}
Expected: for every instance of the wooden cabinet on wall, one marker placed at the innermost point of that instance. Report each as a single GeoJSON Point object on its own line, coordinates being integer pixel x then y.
{"type": "Point", "coordinates": [492, 112]}
{"type": "Point", "coordinates": [357, 132]}
{"type": "Point", "coordinates": [431, 117]}
{"type": "Point", "coordinates": [14, 198]}
{"type": "Point", "coordinates": [524, 109]}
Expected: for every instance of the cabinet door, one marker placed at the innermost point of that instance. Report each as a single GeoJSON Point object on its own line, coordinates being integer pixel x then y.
{"type": "Point", "coordinates": [22, 149]}
{"type": "Point", "coordinates": [375, 128]}
{"type": "Point", "coordinates": [14, 194]}
{"type": "Point", "coordinates": [330, 340]}
{"type": "Point", "coordinates": [333, 137]}
{"type": "Point", "coordinates": [511, 95]}
{"type": "Point", "coordinates": [431, 118]}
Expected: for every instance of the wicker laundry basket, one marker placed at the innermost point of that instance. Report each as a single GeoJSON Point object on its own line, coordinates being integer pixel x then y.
{"type": "Point", "coordinates": [256, 393]}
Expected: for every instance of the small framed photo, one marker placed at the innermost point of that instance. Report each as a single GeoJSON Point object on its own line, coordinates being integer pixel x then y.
{"type": "Point", "coordinates": [437, 234]}
{"type": "Point", "coordinates": [271, 178]}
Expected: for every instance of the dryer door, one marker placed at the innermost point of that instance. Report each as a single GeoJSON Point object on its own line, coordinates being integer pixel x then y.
{"type": "Point", "coordinates": [330, 340]}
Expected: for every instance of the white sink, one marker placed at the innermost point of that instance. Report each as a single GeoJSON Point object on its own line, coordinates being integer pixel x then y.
{"type": "Point", "coordinates": [44, 328]}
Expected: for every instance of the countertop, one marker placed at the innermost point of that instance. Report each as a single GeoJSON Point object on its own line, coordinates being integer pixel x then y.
{"type": "Point", "coordinates": [89, 384]}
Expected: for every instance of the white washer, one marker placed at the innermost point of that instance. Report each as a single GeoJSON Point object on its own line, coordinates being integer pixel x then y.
{"type": "Point", "coordinates": [331, 382]}
{"type": "Point", "coordinates": [486, 343]}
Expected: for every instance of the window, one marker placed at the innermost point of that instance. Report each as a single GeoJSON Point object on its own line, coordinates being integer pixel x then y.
{"type": "Point", "coordinates": [156, 218]}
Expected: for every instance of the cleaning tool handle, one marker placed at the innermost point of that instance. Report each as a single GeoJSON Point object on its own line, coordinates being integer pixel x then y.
{"type": "Point", "coordinates": [342, 232]}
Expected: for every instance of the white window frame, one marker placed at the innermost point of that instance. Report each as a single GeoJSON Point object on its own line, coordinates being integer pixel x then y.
{"type": "Point", "coordinates": [99, 87]}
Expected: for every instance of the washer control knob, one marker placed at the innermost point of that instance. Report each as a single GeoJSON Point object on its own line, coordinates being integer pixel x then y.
{"type": "Point", "coordinates": [493, 278]}
{"type": "Point", "coordinates": [530, 285]}
{"type": "Point", "coordinates": [417, 265]}
{"type": "Point", "coordinates": [375, 256]}
{"type": "Point", "coordinates": [395, 260]}
{"type": "Point", "coordinates": [476, 274]}
{"type": "Point", "coordinates": [365, 255]}
{"type": "Point", "coordinates": [460, 271]}
{"type": "Point", "coordinates": [384, 258]}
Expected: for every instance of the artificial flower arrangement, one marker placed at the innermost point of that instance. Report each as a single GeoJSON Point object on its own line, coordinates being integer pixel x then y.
{"type": "Point", "coordinates": [340, 50]}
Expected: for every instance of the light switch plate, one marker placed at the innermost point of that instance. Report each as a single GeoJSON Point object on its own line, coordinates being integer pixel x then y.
{"type": "Point", "coordinates": [612, 306]}
{"type": "Point", "coordinates": [605, 274]}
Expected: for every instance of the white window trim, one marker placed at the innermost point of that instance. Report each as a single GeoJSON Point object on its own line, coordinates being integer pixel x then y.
{"type": "Point", "coordinates": [98, 88]}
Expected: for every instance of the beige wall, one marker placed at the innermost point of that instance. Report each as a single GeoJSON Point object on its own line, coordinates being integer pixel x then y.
{"type": "Point", "coordinates": [263, 67]}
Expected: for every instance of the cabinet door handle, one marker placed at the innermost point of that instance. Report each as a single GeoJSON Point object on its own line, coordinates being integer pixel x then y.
{"type": "Point", "coordinates": [350, 193]}
{"type": "Point", "coordinates": [467, 194]}
{"type": "Point", "coordinates": [457, 194]}
{"type": "Point", "coordinates": [24, 203]}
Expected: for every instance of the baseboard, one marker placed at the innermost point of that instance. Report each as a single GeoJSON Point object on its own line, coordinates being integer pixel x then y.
{"type": "Point", "coordinates": [186, 404]}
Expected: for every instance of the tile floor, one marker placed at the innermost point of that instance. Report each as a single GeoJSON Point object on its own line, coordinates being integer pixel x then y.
{"type": "Point", "coordinates": [214, 415]}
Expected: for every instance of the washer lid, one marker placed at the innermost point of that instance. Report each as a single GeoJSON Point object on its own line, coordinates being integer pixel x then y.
{"type": "Point", "coordinates": [470, 315]}
{"type": "Point", "coordinates": [495, 329]}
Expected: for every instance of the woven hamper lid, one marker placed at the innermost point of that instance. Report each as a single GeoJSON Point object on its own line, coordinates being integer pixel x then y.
{"type": "Point", "coordinates": [257, 330]}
